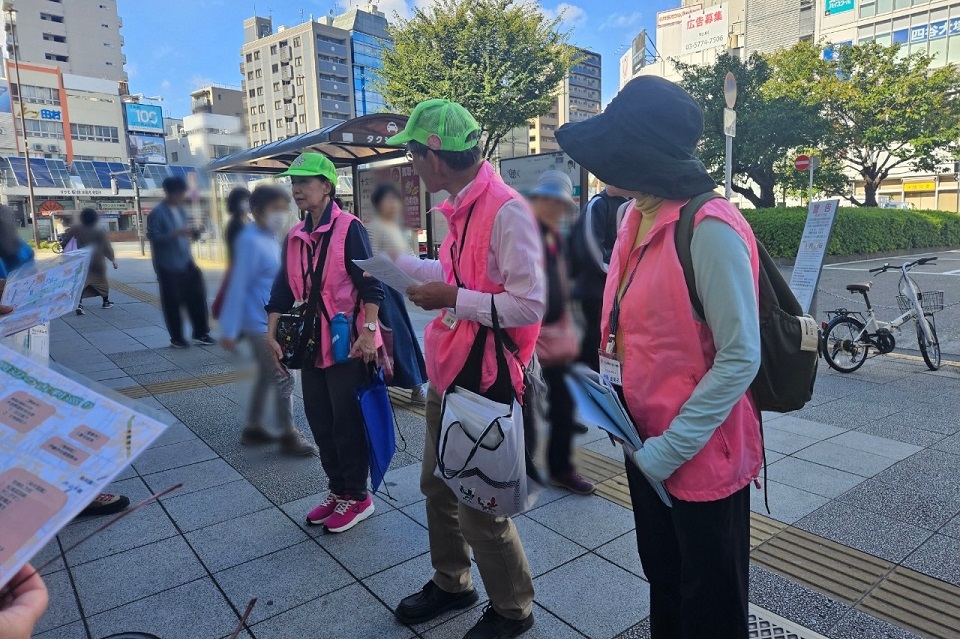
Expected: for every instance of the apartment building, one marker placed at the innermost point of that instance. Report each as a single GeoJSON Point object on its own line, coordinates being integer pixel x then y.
{"type": "Point", "coordinates": [368, 38]}
{"type": "Point", "coordinates": [578, 98]}
{"type": "Point", "coordinates": [81, 37]}
{"type": "Point", "coordinates": [295, 79]}
{"type": "Point", "coordinates": [218, 99]}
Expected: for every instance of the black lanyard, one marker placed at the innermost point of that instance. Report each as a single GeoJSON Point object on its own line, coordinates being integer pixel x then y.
{"type": "Point", "coordinates": [455, 260]}
{"type": "Point", "coordinates": [618, 300]}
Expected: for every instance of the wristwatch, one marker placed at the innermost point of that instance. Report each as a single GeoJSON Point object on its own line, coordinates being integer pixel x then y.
{"type": "Point", "coordinates": [371, 326]}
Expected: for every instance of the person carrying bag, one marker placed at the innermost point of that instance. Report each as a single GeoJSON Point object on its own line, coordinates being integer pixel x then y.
{"type": "Point", "coordinates": [317, 266]}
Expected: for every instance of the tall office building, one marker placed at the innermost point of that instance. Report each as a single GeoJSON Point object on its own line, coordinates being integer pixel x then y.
{"type": "Point", "coordinates": [81, 37]}
{"type": "Point", "coordinates": [296, 79]}
{"type": "Point", "coordinates": [578, 98]}
{"type": "Point", "coordinates": [368, 38]}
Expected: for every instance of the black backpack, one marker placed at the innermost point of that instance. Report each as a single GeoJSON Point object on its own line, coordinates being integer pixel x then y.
{"type": "Point", "coordinates": [787, 373]}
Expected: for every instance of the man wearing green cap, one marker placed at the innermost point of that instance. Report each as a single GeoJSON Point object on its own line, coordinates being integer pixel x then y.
{"type": "Point", "coordinates": [492, 258]}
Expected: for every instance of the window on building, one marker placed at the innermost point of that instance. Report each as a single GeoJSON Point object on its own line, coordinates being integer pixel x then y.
{"type": "Point", "coordinates": [49, 17]}
{"type": "Point", "coordinates": [884, 6]}
{"type": "Point", "coordinates": [276, 86]}
{"type": "Point", "coordinates": [54, 57]}
{"type": "Point", "coordinates": [94, 133]}
{"type": "Point", "coordinates": [256, 55]}
{"type": "Point", "coordinates": [299, 80]}
{"type": "Point", "coordinates": [253, 110]}
{"type": "Point", "coordinates": [296, 41]}
{"type": "Point", "coordinates": [275, 68]}
{"type": "Point", "coordinates": [298, 62]}
{"type": "Point", "coordinates": [283, 43]}
{"type": "Point", "coordinates": [259, 90]}
{"type": "Point", "coordinates": [36, 95]}
{"type": "Point", "coordinates": [258, 73]}
{"type": "Point", "coordinates": [174, 156]}
{"type": "Point", "coordinates": [41, 129]}
{"type": "Point", "coordinates": [302, 118]}
{"type": "Point", "coordinates": [249, 57]}
{"type": "Point", "coordinates": [273, 49]}
{"type": "Point", "coordinates": [277, 105]}
{"type": "Point", "coordinates": [249, 75]}
{"type": "Point", "coordinates": [903, 4]}
{"type": "Point", "coordinates": [52, 37]}
{"type": "Point", "coordinates": [279, 123]}
{"type": "Point", "coordinates": [252, 92]}
{"type": "Point", "coordinates": [300, 99]}
{"type": "Point", "coordinates": [260, 108]}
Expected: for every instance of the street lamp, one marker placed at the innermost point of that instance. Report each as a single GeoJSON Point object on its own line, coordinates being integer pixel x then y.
{"type": "Point", "coordinates": [10, 15]}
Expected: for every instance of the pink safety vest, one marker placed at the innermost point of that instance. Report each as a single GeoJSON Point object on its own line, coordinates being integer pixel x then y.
{"type": "Point", "coordinates": [447, 349]}
{"type": "Point", "coordinates": [339, 294]}
{"type": "Point", "coordinates": [667, 352]}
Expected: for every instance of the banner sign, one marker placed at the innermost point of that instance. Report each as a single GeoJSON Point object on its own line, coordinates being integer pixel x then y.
{"type": "Point", "coordinates": [813, 248]}
{"type": "Point", "coordinates": [704, 30]}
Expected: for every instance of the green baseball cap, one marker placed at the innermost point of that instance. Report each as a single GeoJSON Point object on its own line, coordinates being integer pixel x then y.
{"type": "Point", "coordinates": [441, 125]}
{"type": "Point", "coordinates": [311, 165]}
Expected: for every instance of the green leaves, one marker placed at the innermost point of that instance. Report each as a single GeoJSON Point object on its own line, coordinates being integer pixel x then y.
{"type": "Point", "coordinates": [502, 59]}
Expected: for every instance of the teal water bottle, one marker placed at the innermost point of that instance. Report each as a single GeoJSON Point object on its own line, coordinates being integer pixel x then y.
{"type": "Point", "coordinates": [340, 336]}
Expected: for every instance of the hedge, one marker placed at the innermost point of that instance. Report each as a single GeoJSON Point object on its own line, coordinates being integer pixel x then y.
{"type": "Point", "coordinates": [857, 231]}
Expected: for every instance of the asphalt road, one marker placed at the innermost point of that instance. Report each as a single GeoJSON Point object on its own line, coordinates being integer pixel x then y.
{"type": "Point", "coordinates": [943, 275]}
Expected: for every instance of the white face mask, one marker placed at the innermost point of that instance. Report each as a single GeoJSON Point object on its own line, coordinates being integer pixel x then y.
{"type": "Point", "coordinates": [276, 220]}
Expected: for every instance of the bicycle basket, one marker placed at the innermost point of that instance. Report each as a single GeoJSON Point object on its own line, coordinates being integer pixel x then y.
{"type": "Point", "coordinates": [930, 301]}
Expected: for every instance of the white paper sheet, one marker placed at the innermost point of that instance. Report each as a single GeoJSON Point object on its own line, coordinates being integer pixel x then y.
{"type": "Point", "coordinates": [60, 445]}
{"type": "Point", "coordinates": [44, 291]}
{"type": "Point", "coordinates": [382, 267]}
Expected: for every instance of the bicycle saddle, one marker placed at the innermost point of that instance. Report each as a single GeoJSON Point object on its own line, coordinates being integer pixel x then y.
{"type": "Point", "coordinates": [859, 288]}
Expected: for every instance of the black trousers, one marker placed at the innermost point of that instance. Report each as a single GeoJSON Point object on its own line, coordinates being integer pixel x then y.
{"type": "Point", "coordinates": [590, 344]}
{"type": "Point", "coordinates": [330, 403]}
{"type": "Point", "coordinates": [561, 421]}
{"type": "Point", "coordinates": [179, 289]}
{"type": "Point", "coordinates": [696, 558]}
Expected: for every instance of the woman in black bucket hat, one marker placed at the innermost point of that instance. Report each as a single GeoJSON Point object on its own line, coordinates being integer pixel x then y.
{"type": "Point", "coordinates": [683, 378]}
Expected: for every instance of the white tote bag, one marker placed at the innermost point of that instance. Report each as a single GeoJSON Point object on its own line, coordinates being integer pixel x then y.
{"type": "Point", "coordinates": [481, 449]}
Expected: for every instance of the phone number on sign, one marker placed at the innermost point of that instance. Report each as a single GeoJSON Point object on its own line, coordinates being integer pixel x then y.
{"type": "Point", "coordinates": [705, 43]}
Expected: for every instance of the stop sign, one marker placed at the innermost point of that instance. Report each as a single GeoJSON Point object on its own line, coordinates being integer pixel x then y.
{"type": "Point", "coordinates": [802, 163]}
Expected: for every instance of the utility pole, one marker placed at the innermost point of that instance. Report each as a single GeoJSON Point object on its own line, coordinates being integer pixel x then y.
{"type": "Point", "coordinates": [12, 22]}
{"type": "Point", "coordinates": [135, 178]}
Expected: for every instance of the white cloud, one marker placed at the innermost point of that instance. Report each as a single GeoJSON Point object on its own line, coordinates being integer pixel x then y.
{"type": "Point", "coordinates": [571, 16]}
{"type": "Point", "coordinates": [622, 20]}
{"type": "Point", "coordinates": [165, 85]}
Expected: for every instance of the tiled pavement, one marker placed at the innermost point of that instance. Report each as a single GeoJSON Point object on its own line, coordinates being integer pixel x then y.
{"type": "Point", "coordinates": [873, 463]}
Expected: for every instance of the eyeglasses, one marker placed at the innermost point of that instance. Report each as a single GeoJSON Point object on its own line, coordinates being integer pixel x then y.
{"type": "Point", "coordinates": [409, 156]}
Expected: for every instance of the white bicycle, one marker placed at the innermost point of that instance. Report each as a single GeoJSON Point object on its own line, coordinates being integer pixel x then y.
{"type": "Point", "coordinates": [849, 336]}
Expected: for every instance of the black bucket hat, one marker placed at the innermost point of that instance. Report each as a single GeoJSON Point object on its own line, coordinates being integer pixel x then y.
{"type": "Point", "coordinates": [645, 140]}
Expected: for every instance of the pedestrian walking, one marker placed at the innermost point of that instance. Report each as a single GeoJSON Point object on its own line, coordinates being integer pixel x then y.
{"type": "Point", "coordinates": [684, 378]}
{"type": "Point", "coordinates": [591, 245]}
{"type": "Point", "coordinates": [88, 233]}
{"type": "Point", "coordinates": [238, 208]}
{"type": "Point", "coordinates": [492, 253]}
{"type": "Point", "coordinates": [244, 313]}
{"type": "Point", "coordinates": [319, 251]}
{"type": "Point", "coordinates": [181, 282]}
{"type": "Point", "coordinates": [558, 344]}
{"type": "Point", "coordinates": [386, 236]}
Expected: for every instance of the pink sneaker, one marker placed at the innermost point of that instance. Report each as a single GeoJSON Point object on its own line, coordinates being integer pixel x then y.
{"type": "Point", "coordinates": [348, 513]}
{"type": "Point", "coordinates": [319, 514]}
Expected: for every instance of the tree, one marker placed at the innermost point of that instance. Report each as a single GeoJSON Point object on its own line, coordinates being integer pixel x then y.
{"type": "Point", "coordinates": [769, 128]}
{"type": "Point", "coordinates": [502, 59]}
{"type": "Point", "coordinates": [886, 109]}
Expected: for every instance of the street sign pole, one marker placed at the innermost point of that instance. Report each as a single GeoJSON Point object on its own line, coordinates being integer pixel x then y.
{"type": "Point", "coordinates": [814, 165]}
{"type": "Point", "coordinates": [729, 130]}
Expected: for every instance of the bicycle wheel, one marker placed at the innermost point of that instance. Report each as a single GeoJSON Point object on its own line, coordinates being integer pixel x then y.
{"type": "Point", "coordinates": [56, 248]}
{"type": "Point", "coordinates": [842, 347]}
{"type": "Point", "coordinates": [930, 352]}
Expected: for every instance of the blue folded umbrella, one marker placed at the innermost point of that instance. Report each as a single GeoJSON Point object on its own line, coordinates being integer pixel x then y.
{"type": "Point", "coordinates": [379, 425]}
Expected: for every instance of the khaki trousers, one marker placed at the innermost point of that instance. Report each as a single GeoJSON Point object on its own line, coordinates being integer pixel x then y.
{"type": "Point", "coordinates": [455, 528]}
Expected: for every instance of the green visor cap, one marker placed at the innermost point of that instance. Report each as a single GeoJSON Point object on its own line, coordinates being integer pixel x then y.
{"type": "Point", "coordinates": [440, 125]}
{"type": "Point", "coordinates": [311, 165]}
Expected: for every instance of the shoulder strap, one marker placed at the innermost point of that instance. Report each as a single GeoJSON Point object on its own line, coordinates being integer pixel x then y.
{"type": "Point", "coordinates": [683, 238]}
{"type": "Point", "coordinates": [315, 278]}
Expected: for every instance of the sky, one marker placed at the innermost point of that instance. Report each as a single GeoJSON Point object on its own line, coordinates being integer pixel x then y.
{"type": "Point", "coordinates": [176, 46]}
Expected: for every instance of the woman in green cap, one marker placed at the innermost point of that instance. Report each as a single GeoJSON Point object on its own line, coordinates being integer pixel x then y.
{"type": "Point", "coordinates": [320, 251]}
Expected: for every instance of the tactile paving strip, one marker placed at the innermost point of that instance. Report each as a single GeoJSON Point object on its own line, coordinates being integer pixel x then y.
{"type": "Point", "coordinates": [135, 292]}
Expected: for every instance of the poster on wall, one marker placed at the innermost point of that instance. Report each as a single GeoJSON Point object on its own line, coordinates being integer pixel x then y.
{"type": "Point", "coordinates": [407, 182]}
{"type": "Point", "coordinates": [704, 30]}
{"type": "Point", "coordinates": [410, 191]}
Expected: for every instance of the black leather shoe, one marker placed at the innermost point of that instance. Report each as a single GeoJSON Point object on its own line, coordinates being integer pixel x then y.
{"type": "Point", "coordinates": [493, 625]}
{"type": "Point", "coordinates": [432, 602]}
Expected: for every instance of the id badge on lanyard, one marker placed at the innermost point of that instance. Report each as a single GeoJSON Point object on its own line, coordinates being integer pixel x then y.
{"type": "Point", "coordinates": [611, 369]}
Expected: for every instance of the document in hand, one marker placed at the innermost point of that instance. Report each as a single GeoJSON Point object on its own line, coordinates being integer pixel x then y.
{"type": "Point", "coordinates": [45, 290]}
{"type": "Point", "coordinates": [382, 267]}
{"type": "Point", "coordinates": [598, 405]}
